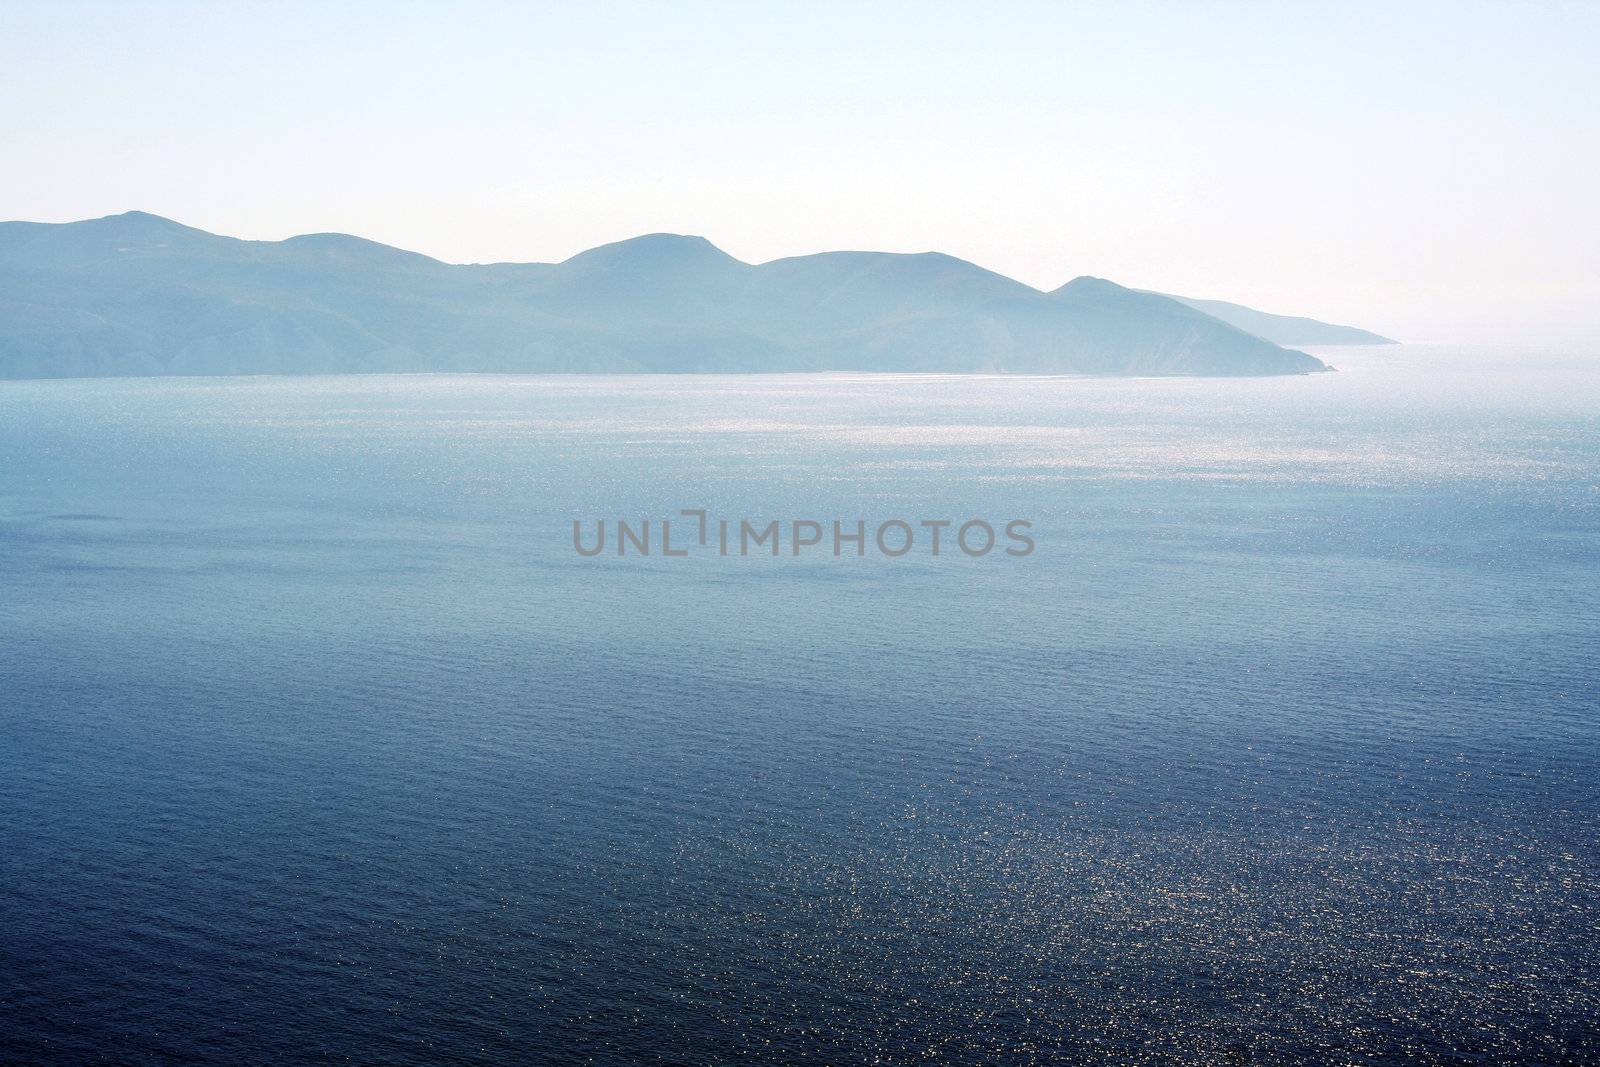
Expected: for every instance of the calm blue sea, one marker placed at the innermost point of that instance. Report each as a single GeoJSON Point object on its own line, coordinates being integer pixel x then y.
{"type": "Point", "coordinates": [319, 743]}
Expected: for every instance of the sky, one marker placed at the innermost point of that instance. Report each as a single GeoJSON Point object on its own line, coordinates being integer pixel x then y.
{"type": "Point", "coordinates": [1425, 170]}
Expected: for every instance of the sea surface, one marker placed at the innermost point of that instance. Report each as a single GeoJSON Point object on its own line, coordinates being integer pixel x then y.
{"type": "Point", "coordinates": [319, 743]}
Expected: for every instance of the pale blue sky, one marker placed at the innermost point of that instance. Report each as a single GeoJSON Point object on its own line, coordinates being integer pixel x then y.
{"type": "Point", "coordinates": [1427, 170]}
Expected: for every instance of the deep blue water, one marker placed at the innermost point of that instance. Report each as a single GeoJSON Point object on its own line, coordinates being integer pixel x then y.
{"type": "Point", "coordinates": [319, 743]}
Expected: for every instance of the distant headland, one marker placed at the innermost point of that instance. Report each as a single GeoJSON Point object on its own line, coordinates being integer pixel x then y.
{"type": "Point", "coordinates": [137, 294]}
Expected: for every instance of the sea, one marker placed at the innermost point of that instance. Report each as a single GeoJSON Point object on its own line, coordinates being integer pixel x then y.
{"type": "Point", "coordinates": [321, 742]}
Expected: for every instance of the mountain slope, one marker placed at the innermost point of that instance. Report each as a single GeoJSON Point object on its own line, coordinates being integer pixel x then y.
{"type": "Point", "coordinates": [1284, 329]}
{"type": "Point", "coordinates": [1172, 337]}
{"type": "Point", "coordinates": [136, 294]}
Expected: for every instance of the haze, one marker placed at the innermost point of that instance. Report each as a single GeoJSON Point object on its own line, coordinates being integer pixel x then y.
{"type": "Point", "coordinates": [1425, 172]}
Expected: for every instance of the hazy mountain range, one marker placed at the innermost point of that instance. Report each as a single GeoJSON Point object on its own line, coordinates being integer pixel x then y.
{"type": "Point", "coordinates": [136, 294]}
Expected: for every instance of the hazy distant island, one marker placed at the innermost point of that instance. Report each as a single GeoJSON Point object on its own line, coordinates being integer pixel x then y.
{"type": "Point", "coordinates": [137, 294]}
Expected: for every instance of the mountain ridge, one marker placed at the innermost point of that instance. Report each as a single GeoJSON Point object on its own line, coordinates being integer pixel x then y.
{"type": "Point", "coordinates": [140, 294]}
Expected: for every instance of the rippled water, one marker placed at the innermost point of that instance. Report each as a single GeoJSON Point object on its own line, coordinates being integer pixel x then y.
{"type": "Point", "coordinates": [318, 742]}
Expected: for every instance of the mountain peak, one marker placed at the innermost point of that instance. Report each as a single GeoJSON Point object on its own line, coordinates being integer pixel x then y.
{"type": "Point", "coordinates": [138, 223]}
{"type": "Point", "coordinates": [1087, 285]}
{"type": "Point", "coordinates": [653, 250]}
{"type": "Point", "coordinates": [89, 241]}
{"type": "Point", "coordinates": [342, 248]}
